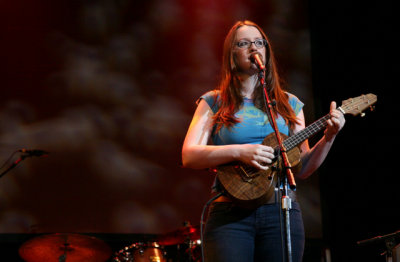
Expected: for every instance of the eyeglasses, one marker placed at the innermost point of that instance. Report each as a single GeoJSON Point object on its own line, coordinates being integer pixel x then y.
{"type": "Point", "coordinates": [259, 43]}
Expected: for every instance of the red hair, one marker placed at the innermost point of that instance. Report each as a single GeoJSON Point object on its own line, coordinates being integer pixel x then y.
{"type": "Point", "coordinates": [230, 96]}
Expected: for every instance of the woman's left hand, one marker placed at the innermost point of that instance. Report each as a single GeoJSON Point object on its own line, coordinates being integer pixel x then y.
{"type": "Point", "coordinates": [335, 123]}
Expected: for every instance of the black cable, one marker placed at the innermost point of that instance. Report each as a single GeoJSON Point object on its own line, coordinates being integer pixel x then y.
{"type": "Point", "coordinates": [283, 240]}
{"type": "Point", "coordinates": [202, 222]}
{"type": "Point", "coordinates": [278, 198]}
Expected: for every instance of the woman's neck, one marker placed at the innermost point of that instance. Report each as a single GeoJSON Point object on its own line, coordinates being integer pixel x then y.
{"type": "Point", "coordinates": [248, 83]}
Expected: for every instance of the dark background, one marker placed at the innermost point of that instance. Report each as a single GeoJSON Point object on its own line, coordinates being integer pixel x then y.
{"type": "Point", "coordinates": [108, 88]}
{"type": "Point", "coordinates": [353, 51]}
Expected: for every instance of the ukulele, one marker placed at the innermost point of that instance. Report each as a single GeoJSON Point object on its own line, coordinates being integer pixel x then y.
{"type": "Point", "coordinates": [250, 186]}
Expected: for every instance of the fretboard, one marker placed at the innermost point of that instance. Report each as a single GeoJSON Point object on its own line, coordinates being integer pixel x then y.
{"type": "Point", "coordinates": [294, 140]}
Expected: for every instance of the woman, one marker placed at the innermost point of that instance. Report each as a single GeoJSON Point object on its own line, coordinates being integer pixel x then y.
{"type": "Point", "coordinates": [229, 125]}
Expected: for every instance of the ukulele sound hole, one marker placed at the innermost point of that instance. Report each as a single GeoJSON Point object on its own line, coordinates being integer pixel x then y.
{"type": "Point", "coordinates": [248, 173]}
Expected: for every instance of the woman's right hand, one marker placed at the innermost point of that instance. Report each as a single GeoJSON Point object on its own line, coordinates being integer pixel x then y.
{"type": "Point", "coordinates": [256, 155]}
{"type": "Point", "coordinates": [198, 154]}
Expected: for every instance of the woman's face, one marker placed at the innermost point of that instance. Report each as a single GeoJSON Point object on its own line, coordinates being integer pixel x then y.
{"type": "Point", "coordinates": [242, 55]}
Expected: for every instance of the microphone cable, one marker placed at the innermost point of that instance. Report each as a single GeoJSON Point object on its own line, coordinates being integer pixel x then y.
{"type": "Point", "coordinates": [202, 222]}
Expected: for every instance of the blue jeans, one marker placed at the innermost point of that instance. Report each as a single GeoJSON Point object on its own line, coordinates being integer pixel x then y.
{"type": "Point", "coordinates": [237, 234]}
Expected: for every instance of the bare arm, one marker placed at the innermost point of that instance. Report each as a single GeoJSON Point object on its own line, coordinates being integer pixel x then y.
{"type": "Point", "coordinates": [197, 154]}
{"type": "Point", "coordinates": [313, 158]}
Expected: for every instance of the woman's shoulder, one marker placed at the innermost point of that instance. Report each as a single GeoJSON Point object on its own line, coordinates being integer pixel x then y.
{"type": "Point", "coordinates": [292, 97]}
{"type": "Point", "coordinates": [213, 94]}
{"type": "Point", "coordinates": [295, 102]}
{"type": "Point", "coordinates": [212, 98]}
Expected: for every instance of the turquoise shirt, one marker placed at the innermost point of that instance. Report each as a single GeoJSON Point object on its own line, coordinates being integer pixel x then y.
{"type": "Point", "coordinates": [254, 125]}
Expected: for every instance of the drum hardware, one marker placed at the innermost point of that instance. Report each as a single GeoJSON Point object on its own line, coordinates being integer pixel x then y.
{"type": "Point", "coordinates": [194, 250]}
{"type": "Point", "coordinates": [184, 244]}
{"type": "Point", "coordinates": [180, 235]}
{"type": "Point", "coordinates": [141, 252]}
{"type": "Point", "coordinates": [187, 241]}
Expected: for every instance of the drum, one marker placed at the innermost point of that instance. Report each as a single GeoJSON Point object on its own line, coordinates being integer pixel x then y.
{"type": "Point", "coordinates": [141, 252]}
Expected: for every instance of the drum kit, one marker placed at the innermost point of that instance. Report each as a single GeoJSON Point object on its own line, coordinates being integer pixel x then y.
{"type": "Point", "coordinates": [183, 245]}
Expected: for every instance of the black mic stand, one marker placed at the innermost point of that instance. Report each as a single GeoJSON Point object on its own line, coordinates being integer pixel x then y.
{"type": "Point", "coordinates": [286, 203]}
{"type": "Point", "coordinates": [391, 241]}
{"type": "Point", "coordinates": [14, 164]}
{"type": "Point", "coordinates": [26, 153]}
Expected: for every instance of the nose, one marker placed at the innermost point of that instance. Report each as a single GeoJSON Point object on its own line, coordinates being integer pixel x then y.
{"type": "Point", "coordinates": [252, 46]}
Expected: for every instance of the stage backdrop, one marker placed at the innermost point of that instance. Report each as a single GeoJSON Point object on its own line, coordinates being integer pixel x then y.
{"type": "Point", "coordinates": [108, 88]}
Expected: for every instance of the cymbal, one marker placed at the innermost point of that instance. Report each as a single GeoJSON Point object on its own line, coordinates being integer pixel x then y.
{"type": "Point", "coordinates": [65, 248]}
{"type": "Point", "coordinates": [180, 236]}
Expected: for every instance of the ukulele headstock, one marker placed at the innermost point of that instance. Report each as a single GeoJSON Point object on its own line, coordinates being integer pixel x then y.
{"type": "Point", "coordinates": [357, 105]}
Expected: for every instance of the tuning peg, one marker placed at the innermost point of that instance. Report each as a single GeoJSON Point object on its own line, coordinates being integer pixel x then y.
{"type": "Point", "coordinates": [362, 114]}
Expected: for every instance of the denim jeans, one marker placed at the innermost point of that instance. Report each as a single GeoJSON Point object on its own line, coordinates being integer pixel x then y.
{"type": "Point", "coordinates": [234, 234]}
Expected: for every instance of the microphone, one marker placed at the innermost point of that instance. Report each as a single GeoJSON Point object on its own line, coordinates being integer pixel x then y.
{"type": "Point", "coordinates": [33, 152]}
{"type": "Point", "coordinates": [257, 60]}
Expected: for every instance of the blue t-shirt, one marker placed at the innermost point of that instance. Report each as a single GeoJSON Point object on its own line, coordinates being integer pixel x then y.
{"type": "Point", "coordinates": [254, 124]}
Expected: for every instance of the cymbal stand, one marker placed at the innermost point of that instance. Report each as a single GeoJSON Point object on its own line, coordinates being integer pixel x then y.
{"type": "Point", "coordinates": [286, 203]}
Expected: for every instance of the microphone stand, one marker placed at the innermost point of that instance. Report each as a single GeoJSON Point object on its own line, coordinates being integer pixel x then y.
{"type": "Point", "coordinates": [14, 164]}
{"type": "Point", "coordinates": [286, 203]}
{"type": "Point", "coordinates": [26, 153]}
{"type": "Point", "coordinates": [391, 240]}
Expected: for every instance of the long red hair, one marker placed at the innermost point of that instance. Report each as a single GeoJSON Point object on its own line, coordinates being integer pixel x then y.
{"type": "Point", "coordinates": [230, 96]}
